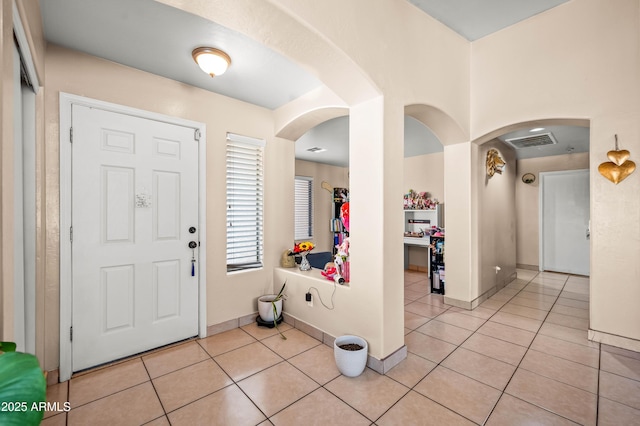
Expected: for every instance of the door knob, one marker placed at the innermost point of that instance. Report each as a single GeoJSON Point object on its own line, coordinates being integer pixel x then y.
{"type": "Point", "coordinates": [193, 244]}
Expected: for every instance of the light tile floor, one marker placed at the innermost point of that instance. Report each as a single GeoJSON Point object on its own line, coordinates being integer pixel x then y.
{"type": "Point", "coordinates": [522, 357]}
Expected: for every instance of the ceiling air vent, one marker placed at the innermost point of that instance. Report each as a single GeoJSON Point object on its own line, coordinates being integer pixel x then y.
{"type": "Point", "coordinates": [540, 139]}
{"type": "Point", "coordinates": [316, 149]}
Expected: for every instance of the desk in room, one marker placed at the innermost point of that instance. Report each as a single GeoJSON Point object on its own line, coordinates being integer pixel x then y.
{"type": "Point", "coordinates": [417, 242]}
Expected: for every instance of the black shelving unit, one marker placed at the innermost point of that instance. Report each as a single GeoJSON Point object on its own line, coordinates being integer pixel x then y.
{"type": "Point", "coordinates": [437, 265]}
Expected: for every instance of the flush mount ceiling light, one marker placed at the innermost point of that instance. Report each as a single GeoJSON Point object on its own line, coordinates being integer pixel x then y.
{"type": "Point", "coordinates": [211, 60]}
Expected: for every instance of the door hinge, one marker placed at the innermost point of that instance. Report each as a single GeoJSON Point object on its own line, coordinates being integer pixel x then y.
{"type": "Point", "coordinates": [196, 135]}
{"type": "Point", "coordinates": [71, 134]}
{"type": "Point", "coordinates": [71, 333]}
{"type": "Point", "coordinates": [71, 234]}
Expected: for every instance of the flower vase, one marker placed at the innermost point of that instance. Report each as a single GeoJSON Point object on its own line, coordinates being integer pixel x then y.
{"type": "Point", "coordinates": [304, 262]}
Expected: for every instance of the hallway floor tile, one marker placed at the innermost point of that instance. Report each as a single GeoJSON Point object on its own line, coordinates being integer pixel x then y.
{"type": "Point", "coordinates": [522, 357]}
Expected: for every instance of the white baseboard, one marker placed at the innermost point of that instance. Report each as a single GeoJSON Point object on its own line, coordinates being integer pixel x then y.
{"type": "Point", "coordinates": [614, 340]}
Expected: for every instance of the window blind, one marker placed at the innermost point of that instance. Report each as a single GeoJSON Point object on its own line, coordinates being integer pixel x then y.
{"type": "Point", "coordinates": [303, 208]}
{"type": "Point", "coordinates": [245, 202]}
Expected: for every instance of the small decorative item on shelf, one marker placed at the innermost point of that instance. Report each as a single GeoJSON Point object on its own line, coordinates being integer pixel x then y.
{"type": "Point", "coordinates": [419, 201]}
{"type": "Point", "coordinates": [303, 249]}
{"type": "Point", "coordinates": [330, 272]}
{"type": "Point", "coordinates": [287, 260]}
{"type": "Point", "coordinates": [343, 268]}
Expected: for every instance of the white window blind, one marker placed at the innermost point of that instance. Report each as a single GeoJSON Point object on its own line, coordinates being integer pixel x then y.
{"type": "Point", "coordinates": [303, 208]}
{"type": "Point", "coordinates": [245, 200]}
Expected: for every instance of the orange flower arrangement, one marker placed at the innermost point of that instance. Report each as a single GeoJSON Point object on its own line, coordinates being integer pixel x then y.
{"type": "Point", "coordinates": [303, 246]}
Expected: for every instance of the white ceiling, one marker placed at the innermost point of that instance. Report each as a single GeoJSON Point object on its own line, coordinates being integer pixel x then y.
{"type": "Point", "coordinates": [156, 38]}
{"type": "Point", "coordinates": [474, 19]}
{"type": "Point", "coordinates": [159, 39]}
{"type": "Point", "coordinates": [333, 137]}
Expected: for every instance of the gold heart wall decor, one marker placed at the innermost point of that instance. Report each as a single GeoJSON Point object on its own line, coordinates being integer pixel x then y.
{"type": "Point", "coordinates": [615, 173]}
{"type": "Point", "coordinates": [619, 167]}
{"type": "Point", "coordinates": [618, 157]}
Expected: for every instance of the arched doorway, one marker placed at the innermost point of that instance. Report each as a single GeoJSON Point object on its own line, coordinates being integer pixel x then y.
{"type": "Point", "coordinates": [546, 147]}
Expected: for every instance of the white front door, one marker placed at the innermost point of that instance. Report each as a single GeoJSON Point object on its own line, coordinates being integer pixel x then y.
{"type": "Point", "coordinates": [564, 206]}
{"type": "Point", "coordinates": [134, 200]}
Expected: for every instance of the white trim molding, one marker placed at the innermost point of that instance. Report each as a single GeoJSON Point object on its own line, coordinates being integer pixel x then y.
{"type": "Point", "coordinates": [25, 50]}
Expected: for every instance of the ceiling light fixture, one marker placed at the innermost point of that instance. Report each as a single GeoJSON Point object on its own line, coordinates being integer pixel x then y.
{"type": "Point", "coordinates": [211, 60]}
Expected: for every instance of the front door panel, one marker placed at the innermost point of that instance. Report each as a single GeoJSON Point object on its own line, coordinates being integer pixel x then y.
{"type": "Point", "coordinates": [134, 198]}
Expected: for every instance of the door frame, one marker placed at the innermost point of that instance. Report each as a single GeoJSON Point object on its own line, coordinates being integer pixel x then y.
{"type": "Point", "coordinates": [66, 294]}
{"type": "Point", "coordinates": [542, 175]}
{"type": "Point", "coordinates": [25, 297]}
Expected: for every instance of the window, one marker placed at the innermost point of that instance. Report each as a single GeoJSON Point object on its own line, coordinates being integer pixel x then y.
{"type": "Point", "coordinates": [244, 202]}
{"type": "Point", "coordinates": [304, 208]}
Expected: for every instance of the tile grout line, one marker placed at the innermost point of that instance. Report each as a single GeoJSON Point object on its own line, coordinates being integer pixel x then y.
{"type": "Point", "coordinates": [458, 346]}
{"type": "Point", "coordinates": [448, 310]}
{"type": "Point", "coordinates": [524, 355]}
{"type": "Point", "coordinates": [154, 388]}
{"type": "Point", "coordinates": [502, 392]}
{"type": "Point", "coordinates": [107, 395]}
{"type": "Point", "coordinates": [233, 382]}
{"type": "Point", "coordinates": [412, 388]}
{"type": "Point", "coordinates": [487, 320]}
{"type": "Point", "coordinates": [284, 360]}
{"type": "Point", "coordinates": [528, 349]}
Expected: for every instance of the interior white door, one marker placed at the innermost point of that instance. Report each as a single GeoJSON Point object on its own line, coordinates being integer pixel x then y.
{"type": "Point", "coordinates": [134, 200]}
{"type": "Point", "coordinates": [564, 202]}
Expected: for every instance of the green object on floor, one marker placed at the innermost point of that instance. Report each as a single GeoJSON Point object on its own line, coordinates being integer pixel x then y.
{"type": "Point", "coordinates": [23, 388]}
{"type": "Point", "coordinates": [7, 347]}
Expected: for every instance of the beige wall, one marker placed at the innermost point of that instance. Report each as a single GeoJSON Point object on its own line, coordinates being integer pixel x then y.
{"type": "Point", "coordinates": [337, 177]}
{"type": "Point", "coordinates": [496, 219]}
{"type": "Point", "coordinates": [228, 296]}
{"type": "Point", "coordinates": [528, 201]}
{"type": "Point", "coordinates": [425, 173]}
{"type": "Point", "coordinates": [583, 65]}
{"type": "Point", "coordinates": [523, 73]}
{"type": "Point", "coordinates": [372, 83]}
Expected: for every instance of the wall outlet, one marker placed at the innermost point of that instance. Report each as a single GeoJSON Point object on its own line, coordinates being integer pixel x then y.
{"type": "Point", "coordinates": [309, 299]}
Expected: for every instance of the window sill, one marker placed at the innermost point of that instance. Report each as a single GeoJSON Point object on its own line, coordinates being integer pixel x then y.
{"type": "Point", "coordinates": [312, 274]}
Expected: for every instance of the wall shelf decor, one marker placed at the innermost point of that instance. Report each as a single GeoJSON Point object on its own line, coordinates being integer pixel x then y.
{"type": "Point", "coordinates": [495, 163]}
{"type": "Point", "coordinates": [528, 178]}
